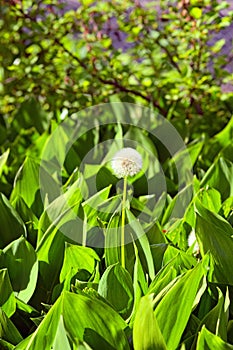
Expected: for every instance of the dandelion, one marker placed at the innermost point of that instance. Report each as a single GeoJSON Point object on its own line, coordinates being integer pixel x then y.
{"type": "Point", "coordinates": [126, 162]}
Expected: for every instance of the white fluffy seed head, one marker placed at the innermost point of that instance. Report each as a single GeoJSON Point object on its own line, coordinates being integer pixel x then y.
{"type": "Point", "coordinates": [126, 162]}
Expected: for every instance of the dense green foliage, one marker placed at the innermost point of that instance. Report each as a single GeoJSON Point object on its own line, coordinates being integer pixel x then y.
{"type": "Point", "coordinates": [118, 50]}
{"type": "Point", "coordinates": [56, 293]}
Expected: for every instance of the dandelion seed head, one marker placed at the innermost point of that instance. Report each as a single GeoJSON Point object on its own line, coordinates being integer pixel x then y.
{"type": "Point", "coordinates": [126, 162]}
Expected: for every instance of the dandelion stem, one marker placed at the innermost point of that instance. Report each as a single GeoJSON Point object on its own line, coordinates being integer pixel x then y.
{"type": "Point", "coordinates": [123, 223]}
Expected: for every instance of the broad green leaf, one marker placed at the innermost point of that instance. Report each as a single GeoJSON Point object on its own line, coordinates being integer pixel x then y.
{"type": "Point", "coordinates": [112, 241]}
{"type": "Point", "coordinates": [26, 308]}
{"type": "Point", "coordinates": [29, 218]}
{"type": "Point", "coordinates": [116, 287]}
{"type": "Point", "coordinates": [163, 279]}
{"type": "Point", "coordinates": [5, 345]}
{"type": "Point", "coordinates": [28, 185]}
{"type": "Point", "coordinates": [210, 199]}
{"type": "Point", "coordinates": [158, 251]}
{"type": "Point", "coordinates": [8, 331]}
{"type": "Point", "coordinates": [219, 176]}
{"type": "Point", "coordinates": [23, 344]}
{"type": "Point", "coordinates": [77, 258]}
{"type": "Point", "coordinates": [44, 335]}
{"type": "Point", "coordinates": [50, 254]}
{"type": "Point", "coordinates": [7, 298]}
{"type": "Point", "coordinates": [85, 320]}
{"type": "Point", "coordinates": [21, 261]}
{"type": "Point", "coordinates": [146, 332]}
{"type": "Point", "coordinates": [186, 261]}
{"type": "Point", "coordinates": [179, 263]}
{"type": "Point", "coordinates": [27, 181]}
{"type": "Point", "coordinates": [62, 213]}
{"type": "Point", "coordinates": [209, 341]}
{"type": "Point", "coordinates": [138, 234]}
{"type": "Point", "coordinates": [94, 322]}
{"type": "Point", "coordinates": [178, 205]}
{"type": "Point", "coordinates": [227, 208]}
{"type": "Point", "coordinates": [220, 140]}
{"type": "Point", "coordinates": [174, 309]}
{"type": "Point", "coordinates": [107, 208]}
{"type": "Point", "coordinates": [12, 226]}
{"type": "Point", "coordinates": [51, 243]}
{"type": "Point", "coordinates": [214, 234]}
{"type": "Point", "coordinates": [104, 178]}
{"type": "Point", "coordinates": [217, 318]}
{"type": "Point", "coordinates": [91, 205]}
{"type": "Point", "coordinates": [139, 284]}
{"type": "Point", "coordinates": [61, 341]}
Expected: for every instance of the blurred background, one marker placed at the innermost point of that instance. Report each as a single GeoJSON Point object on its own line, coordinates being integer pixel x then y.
{"type": "Point", "coordinates": [58, 57]}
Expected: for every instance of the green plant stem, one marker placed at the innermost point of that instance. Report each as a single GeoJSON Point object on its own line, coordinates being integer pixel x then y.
{"type": "Point", "coordinates": [123, 223]}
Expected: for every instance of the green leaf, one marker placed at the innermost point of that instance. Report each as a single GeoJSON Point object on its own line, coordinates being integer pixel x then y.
{"type": "Point", "coordinates": [209, 341]}
{"type": "Point", "coordinates": [112, 241]}
{"type": "Point", "coordinates": [184, 260]}
{"type": "Point", "coordinates": [7, 298]}
{"type": "Point", "coordinates": [23, 118]}
{"type": "Point", "coordinates": [139, 235]}
{"type": "Point", "coordinates": [174, 309]}
{"type": "Point", "coordinates": [219, 176]}
{"type": "Point", "coordinates": [94, 322]}
{"type": "Point", "coordinates": [178, 205]}
{"type": "Point", "coordinates": [163, 279]}
{"type": "Point", "coordinates": [8, 331]}
{"type": "Point", "coordinates": [50, 254]}
{"type": "Point", "coordinates": [61, 341]}
{"type": "Point", "coordinates": [139, 283]}
{"type": "Point", "coordinates": [116, 287]}
{"type": "Point", "coordinates": [85, 320]}
{"type": "Point", "coordinates": [45, 334]}
{"type": "Point", "coordinates": [77, 258]}
{"type": "Point", "coordinates": [218, 45]}
{"type": "Point", "coordinates": [62, 213]}
{"type": "Point", "coordinates": [29, 218]}
{"type": "Point", "coordinates": [5, 345]}
{"type": "Point", "coordinates": [23, 271]}
{"type": "Point", "coordinates": [196, 12]}
{"type": "Point", "coordinates": [12, 225]}
{"type": "Point", "coordinates": [90, 206]}
{"type": "Point", "coordinates": [3, 160]}
{"type": "Point", "coordinates": [146, 331]}
{"type": "Point", "coordinates": [210, 199]}
{"type": "Point", "coordinates": [27, 182]}
{"type": "Point", "coordinates": [216, 320]}
{"type": "Point", "coordinates": [214, 234]}
{"type": "Point", "coordinates": [220, 140]}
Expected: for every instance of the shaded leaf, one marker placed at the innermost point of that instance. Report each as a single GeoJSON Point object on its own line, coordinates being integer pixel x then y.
{"type": "Point", "coordinates": [21, 260]}
{"type": "Point", "coordinates": [174, 310]}
{"type": "Point", "coordinates": [209, 341]}
{"type": "Point", "coordinates": [12, 225]}
{"type": "Point", "coordinates": [146, 331]}
{"type": "Point", "coordinates": [214, 234]}
{"type": "Point", "coordinates": [7, 298]}
{"type": "Point", "coordinates": [116, 287]}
